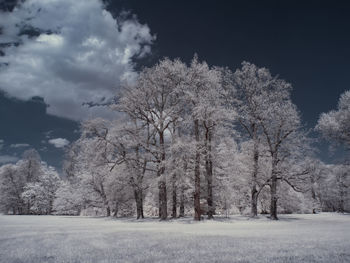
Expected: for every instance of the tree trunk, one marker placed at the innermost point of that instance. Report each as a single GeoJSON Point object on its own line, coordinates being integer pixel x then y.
{"type": "Point", "coordinates": [182, 202]}
{"type": "Point", "coordinates": [209, 172]}
{"type": "Point", "coordinates": [108, 209]}
{"type": "Point", "coordinates": [163, 207]}
{"type": "Point", "coordinates": [254, 202]}
{"type": "Point", "coordinates": [162, 200]}
{"type": "Point", "coordinates": [273, 189]}
{"type": "Point", "coordinates": [116, 208]}
{"type": "Point", "coordinates": [341, 198]}
{"type": "Point", "coordinates": [138, 202]}
{"type": "Point", "coordinates": [273, 205]}
{"type": "Point", "coordinates": [197, 185]}
{"type": "Point", "coordinates": [313, 196]}
{"type": "Point", "coordinates": [182, 191]}
{"type": "Point", "coordinates": [254, 191]}
{"type": "Point", "coordinates": [173, 214]}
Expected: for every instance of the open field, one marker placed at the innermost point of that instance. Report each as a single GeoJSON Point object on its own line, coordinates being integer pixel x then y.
{"type": "Point", "coordinates": [295, 238]}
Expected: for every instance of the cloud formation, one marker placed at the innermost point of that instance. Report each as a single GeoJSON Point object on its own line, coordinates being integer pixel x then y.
{"type": "Point", "coordinates": [19, 145]}
{"type": "Point", "coordinates": [69, 52]}
{"type": "Point", "coordinates": [59, 142]}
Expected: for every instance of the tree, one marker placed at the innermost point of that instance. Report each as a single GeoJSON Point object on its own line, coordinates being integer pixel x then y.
{"type": "Point", "coordinates": [69, 199]}
{"type": "Point", "coordinates": [335, 125]}
{"type": "Point", "coordinates": [155, 102]}
{"type": "Point", "coordinates": [202, 93]}
{"type": "Point", "coordinates": [93, 171]}
{"type": "Point", "coordinates": [251, 85]}
{"type": "Point", "coordinates": [267, 115]}
{"type": "Point", "coordinates": [11, 188]}
{"type": "Point", "coordinates": [126, 145]}
{"type": "Point", "coordinates": [28, 186]}
{"type": "Point", "coordinates": [265, 108]}
{"type": "Point", "coordinates": [41, 194]}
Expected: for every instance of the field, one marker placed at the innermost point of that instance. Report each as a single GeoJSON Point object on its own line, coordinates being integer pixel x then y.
{"type": "Point", "coordinates": [294, 238]}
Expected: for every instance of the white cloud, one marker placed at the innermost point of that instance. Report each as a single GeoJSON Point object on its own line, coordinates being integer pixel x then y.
{"type": "Point", "coordinates": [19, 145]}
{"type": "Point", "coordinates": [59, 142]}
{"type": "Point", "coordinates": [81, 55]}
{"type": "Point", "coordinates": [7, 159]}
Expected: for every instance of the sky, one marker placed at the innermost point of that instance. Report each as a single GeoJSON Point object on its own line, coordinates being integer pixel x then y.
{"type": "Point", "coordinates": [59, 56]}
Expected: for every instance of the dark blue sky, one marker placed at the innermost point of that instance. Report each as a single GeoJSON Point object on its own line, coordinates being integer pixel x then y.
{"type": "Point", "coordinates": [307, 44]}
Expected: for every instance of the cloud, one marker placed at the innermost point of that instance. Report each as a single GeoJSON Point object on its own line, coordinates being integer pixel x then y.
{"type": "Point", "coordinates": [19, 145]}
{"type": "Point", "coordinates": [69, 52]}
{"type": "Point", "coordinates": [1, 143]}
{"type": "Point", "coordinates": [59, 142]}
{"type": "Point", "coordinates": [7, 159]}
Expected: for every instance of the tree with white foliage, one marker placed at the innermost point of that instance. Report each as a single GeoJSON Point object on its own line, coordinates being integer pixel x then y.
{"type": "Point", "coordinates": [154, 101]}
{"type": "Point", "coordinates": [203, 93]}
{"type": "Point", "coordinates": [11, 187]}
{"type": "Point", "coordinates": [126, 155]}
{"type": "Point", "coordinates": [41, 194]}
{"type": "Point", "coordinates": [28, 186]}
{"type": "Point", "coordinates": [251, 84]}
{"type": "Point", "coordinates": [335, 125]}
{"type": "Point", "coordinates": [279, 121]}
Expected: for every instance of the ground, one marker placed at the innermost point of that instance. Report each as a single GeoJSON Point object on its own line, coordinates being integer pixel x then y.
{"type": "Point", "coordinates": [294, 238]}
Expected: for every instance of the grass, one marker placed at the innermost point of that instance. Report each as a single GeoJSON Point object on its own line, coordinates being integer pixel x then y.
{"type": "Point", "coordinates": [294, 238]}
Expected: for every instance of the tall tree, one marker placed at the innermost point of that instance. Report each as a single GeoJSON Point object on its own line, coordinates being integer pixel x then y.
{"type": "Point", "coordinates": [202, 95]}
{"type": "Point", "coordinates": [154, 101]}
{"type": "Point", "coordinates": [251, 83]}
{"type": "Point", "coordinates": [279, 122]}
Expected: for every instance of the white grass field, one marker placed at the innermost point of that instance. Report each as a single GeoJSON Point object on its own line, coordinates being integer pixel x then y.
{"type": "Point", "coordinates": [294, 238]}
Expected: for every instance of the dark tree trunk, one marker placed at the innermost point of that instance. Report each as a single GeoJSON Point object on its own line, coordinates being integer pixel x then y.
{"type": "Point", "coordinates": [139, 203]}
{"type": "Point", "coordinates": [182, 203]}
{"type": "Point", "coordinates": [104, 198]}
{"type": "Point", "coordinates": [197, 184]}
{"type": "Point", "coordinates": [173, 214]}
{"type": "Point", "coordinates": [116, 208]}
{"type": "Point", "coordinates": [254, 191]}
{"type": "Point", "coordinates": [341, 200]}
{"type": "Point", "coordinates": [163, 207]}
{"type": "Point", "coordinates": [313, 195]}
{"type": "Point", "coordinates": [162, 200]}
{"type": "Point", "coordinates": [28, 208]}
{"type": "Point", "coordinates": [254, 202]}
{"type": "Point", "coordinates": [182, 192]}
{"type": "Point", "coordinates": [273, 189]}
{"type": "Point", "coordinates": [273, 205]}
{"type": "Point", "coordinates": [209, 172]}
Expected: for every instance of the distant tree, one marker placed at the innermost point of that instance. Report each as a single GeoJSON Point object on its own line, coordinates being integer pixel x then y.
{"type": "Point", "coordinates": [69, 199]}
{"type": "Point", "coordinates": [335, 125]}
{"type": "Point", "coordinates": [28, 186]}
{"type": "Point", "coordinates": [334, 188]}
{"type": "Point", "coordinates": [11, 187]}
{"type": "Point", "coordinates": [41, 194]}
{"type": "Point", "coordinates": [31, 165]}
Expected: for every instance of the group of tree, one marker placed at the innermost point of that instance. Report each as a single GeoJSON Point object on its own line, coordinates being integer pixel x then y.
{"type": "Point", "coordinates": [200, 140]}
{"type": "Point", "coordinates": [28, 186]}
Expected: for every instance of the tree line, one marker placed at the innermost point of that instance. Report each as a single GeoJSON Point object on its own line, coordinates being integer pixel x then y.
{"type": "Point", "coordinates": [199, 140]}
